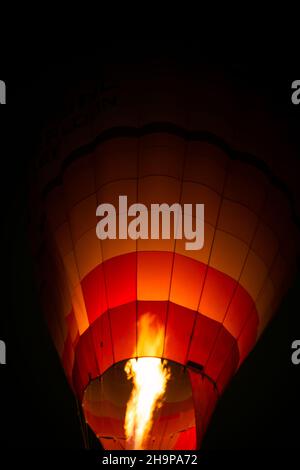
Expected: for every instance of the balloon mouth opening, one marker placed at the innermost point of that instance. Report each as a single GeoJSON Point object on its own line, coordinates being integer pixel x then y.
{"type": "Point", "coordinates": [140, 403]}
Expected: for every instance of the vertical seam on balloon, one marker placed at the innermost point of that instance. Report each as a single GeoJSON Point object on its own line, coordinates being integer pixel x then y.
{"type": "Point", "coordinates": [66, 211]}
{"type": "Point", "coordinates": [174, 249]}
{"type": "Point", "coordinates": [195, 404]}
{"type": "Point", "coordinates": [212, 397]}
{"type": "Point", "coordinates": [136, 250]}
{"type": "Point", "coordinates": [57, 317]}
{"type": "Point", "coordinates": [253, 309]}
{"type": "Point", "coordinates": [256, 299]}
{"type": "Point", "coordinates": [237, 281]}
{"type": "Point", "coordinates": [73, 249]}
{"type": "Point", "coordinates": [103, 264]}
{"type": "Point", "coordinates": [209, 256]}
{"type": "Point", "coordinates": [93, 169]}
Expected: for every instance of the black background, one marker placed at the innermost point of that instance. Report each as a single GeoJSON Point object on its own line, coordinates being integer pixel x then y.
{"type": "Point", "coordinates": [261, 407]}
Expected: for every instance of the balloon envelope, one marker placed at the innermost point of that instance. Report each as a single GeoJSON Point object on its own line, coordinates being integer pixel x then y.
{"type": "Point", "coordinates": [213, 303]}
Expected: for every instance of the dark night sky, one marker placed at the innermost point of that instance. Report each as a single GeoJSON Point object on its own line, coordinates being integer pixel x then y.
{"type": "Point", "coordinates": [261, 407]}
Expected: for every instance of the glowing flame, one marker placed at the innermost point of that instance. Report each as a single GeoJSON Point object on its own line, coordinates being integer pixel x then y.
{"type": "Point", "coordinates": [149, 376]}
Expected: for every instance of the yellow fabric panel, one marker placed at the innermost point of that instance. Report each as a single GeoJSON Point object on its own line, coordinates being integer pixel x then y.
{"type": "Point", "coordinates": [161, 244]}
{"type": "Point", "coordinates": [88, 253]}
{"type": "Point", "coordinates": [199, 255]}
{"type": "Point", "coordinates": [111, 248]}
{"type": "Point", "coordinates": [237, 220]}
{"type": "Point", "coordinates": [75, 292]}
{"type": "Point", "coordinates": [79, 309]}
{"type": "Point", "coordinates": [70, 265]}
{"type": "Point", "coordinates": [195, 193]}
{"type": "Point", "coordinates": [156, 245]}
{"type": "Point", "coordinates": [228, 254]}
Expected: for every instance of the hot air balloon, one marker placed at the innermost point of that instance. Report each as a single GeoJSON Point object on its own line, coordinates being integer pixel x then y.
{"type": "Point", "coordinates": [113, 304]}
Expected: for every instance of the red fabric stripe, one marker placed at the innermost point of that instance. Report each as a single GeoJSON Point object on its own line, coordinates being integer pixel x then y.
{"type": "Point", "coordinates": [112, 338]}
